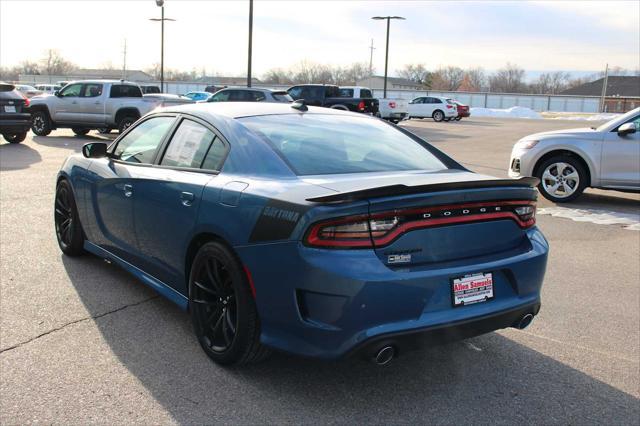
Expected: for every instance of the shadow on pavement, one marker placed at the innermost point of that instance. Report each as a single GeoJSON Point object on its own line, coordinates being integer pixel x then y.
{"type": "Point", "coordinates": [16, 156]}
{"type": "Point", "coordinates": [435, 135]}
{"type": "Point", "coordinates": [71, 142]}
{"type": "Point", "coordinates": [505, 382]}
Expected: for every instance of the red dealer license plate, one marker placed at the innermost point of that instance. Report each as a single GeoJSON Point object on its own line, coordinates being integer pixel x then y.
{"type": "Point", "coordinates": [473, 288]}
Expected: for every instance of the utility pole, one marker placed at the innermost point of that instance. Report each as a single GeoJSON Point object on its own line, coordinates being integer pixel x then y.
{"type": "Point", "coordinates": [386, 56]}
{"type": "Point", "coordinates": [371, 63]}
{"type": "Point", "coordinates": [604, 87]}
{"type": "Point", "coordinates": [124, 61]}
{"type": "Point", "coordinates": [250, 42]}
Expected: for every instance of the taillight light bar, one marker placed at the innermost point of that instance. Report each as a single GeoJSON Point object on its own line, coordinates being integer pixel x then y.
{"type": "Point", "coordinates": [381, 229]}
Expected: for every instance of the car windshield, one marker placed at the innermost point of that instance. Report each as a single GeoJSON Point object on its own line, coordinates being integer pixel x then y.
{"type": "Point", "coordinates": [620, 120]}
{"type": "Point", "coordinates": [315, 144]}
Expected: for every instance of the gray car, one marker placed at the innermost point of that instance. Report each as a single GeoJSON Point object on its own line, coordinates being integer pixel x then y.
{"type": "Point", "coordinates": [568, 161]}
{"type": "Point", "coordinates": [250, 94]}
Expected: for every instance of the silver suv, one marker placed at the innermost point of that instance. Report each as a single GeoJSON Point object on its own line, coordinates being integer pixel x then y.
{"type": "Point", "coordinates": [568, 161]}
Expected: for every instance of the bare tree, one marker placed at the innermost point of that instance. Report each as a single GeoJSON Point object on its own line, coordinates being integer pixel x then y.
{"type": "Point", "coordinates": [277, 76]}
{"type": "Point", "coordinates": [509, 79]}
{"type": "Point", "coordinates": [415, 72]}
{"type": "Point", "coordinates": [54, 64]}
{"type": "Point", "coordinates": [551, 82]}
{"type": "Point", "coordinates": [448, 78]}
{"type": "Point", "coordinates": [477, 79]}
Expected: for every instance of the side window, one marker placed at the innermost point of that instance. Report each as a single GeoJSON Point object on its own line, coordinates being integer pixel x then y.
{"type": "Point", "coordinates": [347, 93]}
{"type": "Point", "coordinates": [141, 143]}
{"type": "Point", "coordinates": [436, 100]}
{"type": "Point", "coordinates": [236, 96]}
{"type": "Point", "coordinates": [220, 96]}
{"type": "Point", "coordinates": [71, 91]}
{"type": "Point", "coordinates": [295, 93]}
{"type": "Point", "coordinates": [366, 93]}
{"type": "Point", "coordinates": [92, 90]}
{"type": "Point", "coordinates": [125, 91]}
{"type": "Point", "coordinates": [215, 156]}
{"type": "Point", "coordinates": [188, 146]}
{"type": "Point", "coordinates": [257, 96]}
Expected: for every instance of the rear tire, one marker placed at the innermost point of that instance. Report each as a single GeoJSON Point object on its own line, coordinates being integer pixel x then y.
{"type": "Point", "coordinates": [80, 131]}
{"type": "Point", "coordinates": [223, 311]}
{"type": "Point", "coordinates": [458, 118]}
{"type": "Point", "coordinates": [126, 122]}
{"type": "Point", "coordinates": [562, 178]}
{"type": "Point", "coordinates": [67, 223]}
{"type": "Point", "coordinates": [15, 138]}
{"type": "Point", "coordinates": [40, 123]}
{"type": "Point", "coordinates": [438, 116]}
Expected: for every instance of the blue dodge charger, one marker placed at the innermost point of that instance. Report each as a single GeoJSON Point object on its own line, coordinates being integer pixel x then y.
{"type": "Point", "coordinates": [317, 232]}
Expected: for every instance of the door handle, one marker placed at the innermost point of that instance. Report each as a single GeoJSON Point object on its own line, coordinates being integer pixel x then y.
{"type": "Point", "coordinates": [97, 103]}
{"type": "Point", "coordinates": [187, 198]}
{"type": "Point", "coordinates": [128, 190]}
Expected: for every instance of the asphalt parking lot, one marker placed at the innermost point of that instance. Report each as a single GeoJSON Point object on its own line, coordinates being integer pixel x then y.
{"type": "Point", "coordinates": [83, 342]}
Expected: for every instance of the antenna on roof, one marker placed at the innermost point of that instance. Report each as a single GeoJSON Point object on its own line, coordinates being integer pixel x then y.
{"type": "Point", "coordinates": [300, 105]}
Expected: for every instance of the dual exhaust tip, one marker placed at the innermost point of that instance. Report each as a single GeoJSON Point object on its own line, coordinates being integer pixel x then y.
{"type": "Point", "coordinates": [387, 353]}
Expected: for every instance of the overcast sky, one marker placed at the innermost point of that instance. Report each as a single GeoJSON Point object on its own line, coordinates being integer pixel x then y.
{"type": "Point", "coordinates": [547, 35]}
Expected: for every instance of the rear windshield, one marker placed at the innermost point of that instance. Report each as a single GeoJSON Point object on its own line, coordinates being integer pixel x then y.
{"type": "Point", "coordinates": [317, 144]}
{"type": "Point", "coordinates": [5, 87]}
{"type": "Point", "coordinates": [346, 93]}
{"type": "Point", "coordinates": [282, 96]}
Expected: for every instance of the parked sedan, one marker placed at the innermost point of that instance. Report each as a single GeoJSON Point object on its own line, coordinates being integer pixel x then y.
{"type": "Point", "coordinates": [568, 161]}
{"type": "Point", "coordinates": [434, 107]}
{"type": "Point", "coordinates": [14, 120]}
{"type": "Point", "coordinates": [242, 94]}
{"type": "Point", "coordinates": [198, 96]}
{"type": "Point", "coordinates": [28, 91]}
{"type": "Point", "coordinates": [348, 236]}
{"type": "Point", "coordinates": [463, 111]}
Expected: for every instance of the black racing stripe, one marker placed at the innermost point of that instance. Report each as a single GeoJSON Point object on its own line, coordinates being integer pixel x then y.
{"type": "Point", "coordinates": [277, 221]}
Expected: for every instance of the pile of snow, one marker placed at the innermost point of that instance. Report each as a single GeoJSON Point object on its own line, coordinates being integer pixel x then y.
{"type": "Point", "coordinates": [513, 112]}
{"type": "Point", "coordinates": [600, 217]}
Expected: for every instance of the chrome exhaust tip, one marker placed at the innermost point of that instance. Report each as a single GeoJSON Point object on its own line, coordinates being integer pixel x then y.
{"type": "Point", "coordinates": [384, 355]}
{"type": "Point", "coordinates": [525, 321]}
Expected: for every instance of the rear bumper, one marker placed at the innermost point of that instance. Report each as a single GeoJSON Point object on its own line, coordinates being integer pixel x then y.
{"type": "Point", "coordinates": [331, 303]}
{"type": "Point", "coordinates": [15, 125]}
{"type": "Point", "coordinates": [464, 114]}
{"type": "Point", "coordinates": [450, 332]}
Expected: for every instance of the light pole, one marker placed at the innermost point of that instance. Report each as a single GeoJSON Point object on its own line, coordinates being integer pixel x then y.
{"type": "Point", "coordinates": [162, 19]}
{"type": "Point", "coordinates": [386, 56]}
{"type": "Point", "coordinates": [250, 42]}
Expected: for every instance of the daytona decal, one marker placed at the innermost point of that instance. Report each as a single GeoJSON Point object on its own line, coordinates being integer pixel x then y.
{"type": "Point", "coordinates": [277, 221]}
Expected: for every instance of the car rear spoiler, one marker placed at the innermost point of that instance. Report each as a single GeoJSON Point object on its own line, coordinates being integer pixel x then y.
{"type": "Point", "coordinates": [390, 190]}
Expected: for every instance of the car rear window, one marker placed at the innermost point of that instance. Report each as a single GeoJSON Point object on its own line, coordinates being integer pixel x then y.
{"type": "Point", "coordinates": [282, 96]}
{"type": "Point", "coordinates": [4, 87]}
{"type": "Point", "coordinates": [316, 144]}
{"type": "Point", "coordinates": [346, 93]}
{"type": "Point", "coordinates": [366, 93]}
{"type": "Point", "coordinates": [125, 91]}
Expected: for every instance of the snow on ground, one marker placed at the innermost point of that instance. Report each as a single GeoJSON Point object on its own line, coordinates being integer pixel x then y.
{"type": "Point", "coordinates": [513, 112]}
{"type": "Point", "coordinates": [600, 217]}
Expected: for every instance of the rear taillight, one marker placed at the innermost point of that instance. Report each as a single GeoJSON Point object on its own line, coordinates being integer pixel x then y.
{"type": "Point", "coordinates": [392, 105]}
{"type": "Point", "coordinates": [27, 102]}
{"type": "Point", "coordinates": [361, 106]}
{"type": "Point", "coordinates": [381, 229]}
{"type": "Point", "coordinates": [449, 106]}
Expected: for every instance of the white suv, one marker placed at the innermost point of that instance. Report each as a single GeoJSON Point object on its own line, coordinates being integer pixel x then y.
{"type": "Point", "coordinates": [433, 107]}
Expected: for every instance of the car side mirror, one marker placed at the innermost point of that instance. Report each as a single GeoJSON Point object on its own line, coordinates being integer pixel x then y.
{"type": "Point", "coordinates": [56, 93]}
{"type": "Point", "coordinates": [626, 129]}
{"type": "Point", "coordinates": [94, 150]}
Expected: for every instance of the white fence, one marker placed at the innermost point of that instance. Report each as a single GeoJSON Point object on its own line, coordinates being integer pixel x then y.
{"type": "Point", "coordinates": [538, 103]}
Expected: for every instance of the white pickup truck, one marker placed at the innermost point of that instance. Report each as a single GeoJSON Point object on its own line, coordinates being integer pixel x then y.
{"type": "Point", "coordinates": [94, 104]}
{"type": "Point", "coordinates": [394, 110]}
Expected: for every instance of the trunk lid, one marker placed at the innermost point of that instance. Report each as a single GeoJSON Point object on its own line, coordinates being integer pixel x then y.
{"type": "Point", "coordinates": [437, 217]}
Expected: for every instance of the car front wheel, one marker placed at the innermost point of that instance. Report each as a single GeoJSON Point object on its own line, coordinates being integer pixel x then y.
{"type": "Point", "coordinates": [67, 223]}
{"type": "Point", "coordinates": [438, 116]}
{"type": "Point", "coordinates": [223, 311]}
{"type": "Point", "coordinates": [80, 131]}
{"type": "Point", "coordinates": [125, 123]}
{"type": "Point", "coordinates": [562, 179]}
{"type": "Point", "coordinates": [15, 137]}
{"type": "Point", "coordinates": [40, 123]}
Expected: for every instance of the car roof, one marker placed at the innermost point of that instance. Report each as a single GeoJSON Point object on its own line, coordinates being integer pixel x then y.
{"type": "Point", "coordinates": [105, 81]}
{"type": "Point", "coordinates": [250, 88]}
{"type": "Point", "coordinates": [248, 109]}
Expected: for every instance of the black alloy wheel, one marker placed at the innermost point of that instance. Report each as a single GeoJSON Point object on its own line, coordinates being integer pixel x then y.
{"type": "Point", "coordinates": [68, 229]}
{"type": "Point", "coordinates": [125, 123]}
{"type": "Point", "coordinates": [40, 123]}
{"type": "Point", "coordinates": [223, 310]}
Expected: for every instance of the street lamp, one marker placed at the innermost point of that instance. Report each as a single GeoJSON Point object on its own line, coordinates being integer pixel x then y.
{"type": "Point", "coordinates": [160, 3]}
{"type": "Point", "coordinates": [386, 57]}
{"type": "Point", "coordinates": [250, 42]}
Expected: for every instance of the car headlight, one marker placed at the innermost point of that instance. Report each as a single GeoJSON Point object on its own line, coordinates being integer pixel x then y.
{"type": "Point", "coordinates": [527, 144]}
